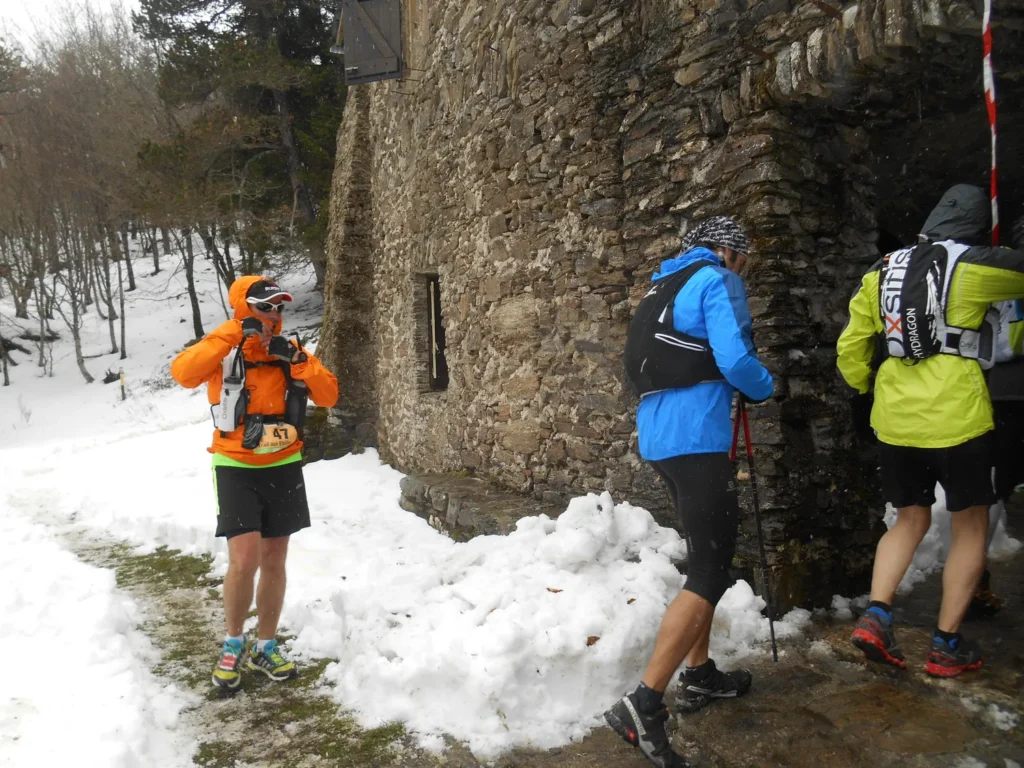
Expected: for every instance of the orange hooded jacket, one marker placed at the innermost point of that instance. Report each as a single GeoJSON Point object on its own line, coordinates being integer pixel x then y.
{"type": "Point", "coordinates": [201, 364]}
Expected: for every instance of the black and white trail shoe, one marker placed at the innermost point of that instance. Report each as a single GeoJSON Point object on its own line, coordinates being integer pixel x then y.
{"type": "Point", "coordinates": [645, 732]}
{"type": "Point", "coordinates": [707, 683]}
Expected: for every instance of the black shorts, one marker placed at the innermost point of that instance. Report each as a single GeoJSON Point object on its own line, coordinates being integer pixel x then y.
{"type": "Point", "coordinates": [964, 471]}
{"type": "Point", "coordinates": [270, 500]}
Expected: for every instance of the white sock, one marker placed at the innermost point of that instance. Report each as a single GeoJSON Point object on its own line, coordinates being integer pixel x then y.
{"type": "Point", "coordinates": [238, 639]}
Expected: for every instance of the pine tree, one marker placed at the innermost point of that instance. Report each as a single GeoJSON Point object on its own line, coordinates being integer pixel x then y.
{"type": "Point", "coordinates": [259, 71]}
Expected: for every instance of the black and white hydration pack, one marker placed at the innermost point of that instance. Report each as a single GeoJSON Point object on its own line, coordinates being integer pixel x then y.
{"type": "Point", "coordinates": [658, 357]}
{"type": "Point", "coordinates": [913, 296]}
{"type": "Point", "coordinates": [232, 410]}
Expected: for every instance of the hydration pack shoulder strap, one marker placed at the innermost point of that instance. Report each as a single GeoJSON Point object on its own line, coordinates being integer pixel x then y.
{"type": "Point", "coordinates": [659, 357]}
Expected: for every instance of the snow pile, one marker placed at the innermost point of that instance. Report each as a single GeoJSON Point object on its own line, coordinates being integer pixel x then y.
{"type": "Point", "coordinates": [81, 693]}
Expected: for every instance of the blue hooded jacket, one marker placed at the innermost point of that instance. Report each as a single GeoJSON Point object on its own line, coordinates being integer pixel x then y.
{"type": "Point", "coordinates": [712, 305]}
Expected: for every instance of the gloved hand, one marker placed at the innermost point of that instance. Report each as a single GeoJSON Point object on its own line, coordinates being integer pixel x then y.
{"type": "Point", "coordinates": [283, 349]}
{"type": "Point", "coordinates": [251, 326]}
{"type": "Point", "coordinates": [860, 413]}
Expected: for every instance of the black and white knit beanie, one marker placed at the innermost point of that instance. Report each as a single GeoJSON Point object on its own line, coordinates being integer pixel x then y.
{"type": "Point", "coordinates": [723, 231]}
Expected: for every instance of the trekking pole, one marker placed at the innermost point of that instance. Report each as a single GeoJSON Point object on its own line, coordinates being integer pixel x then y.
{"type": "Point", "coordinates": [741, 414]}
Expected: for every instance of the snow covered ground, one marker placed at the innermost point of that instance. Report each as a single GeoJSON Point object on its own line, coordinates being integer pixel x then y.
{"type": "Point", "coordinates": [500, 641]}
{"type": "Point", "coordinates": [77, 687]}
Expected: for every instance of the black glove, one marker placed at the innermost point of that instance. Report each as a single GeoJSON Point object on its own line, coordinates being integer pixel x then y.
{"type": "Point", "coordinates": [860, 413]}
{"type": "Point", "coordinates": [251, 326]}
{"type": "Point", "coordinates": [283, 349]}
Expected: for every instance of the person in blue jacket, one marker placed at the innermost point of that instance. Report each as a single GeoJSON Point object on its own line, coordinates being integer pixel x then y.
{"type": "Point", "coordinates": [686, 434]}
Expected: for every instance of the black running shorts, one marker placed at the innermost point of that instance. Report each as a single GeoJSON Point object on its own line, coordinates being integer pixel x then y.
{"type": "Point", "coordinates": [270, 500]}
{"type": "Point", "coordinates": [964, 471]}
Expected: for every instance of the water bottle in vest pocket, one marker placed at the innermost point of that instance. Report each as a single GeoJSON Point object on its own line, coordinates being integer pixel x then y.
{"type": "Point", "coordinates": [229, 412]}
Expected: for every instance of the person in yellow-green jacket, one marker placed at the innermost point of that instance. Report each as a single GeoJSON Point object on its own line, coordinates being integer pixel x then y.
{"type": "Point", "coordinates": [927, 312]}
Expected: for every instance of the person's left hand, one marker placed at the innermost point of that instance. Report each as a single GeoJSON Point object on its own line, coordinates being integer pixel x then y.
{"type": "Point", "coordinates": [283, 349]}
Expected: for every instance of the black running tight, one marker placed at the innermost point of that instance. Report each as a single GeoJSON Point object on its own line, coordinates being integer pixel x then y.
{"type": "Point", "coordinates": [703, 490]}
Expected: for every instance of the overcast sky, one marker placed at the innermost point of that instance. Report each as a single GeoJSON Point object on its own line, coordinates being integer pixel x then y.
{"type": "Point", "coordinates": [20, 18]}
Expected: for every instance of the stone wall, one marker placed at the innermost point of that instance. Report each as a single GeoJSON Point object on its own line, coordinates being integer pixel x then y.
{"type": "Point", "coordinates": [544, 161]}
{"type": "Point", "coordinates": [349, 337]}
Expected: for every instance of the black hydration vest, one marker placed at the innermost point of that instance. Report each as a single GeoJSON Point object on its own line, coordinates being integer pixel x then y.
{"type": "Point", "coordinates": [913, 296]}
{"type": "Point", "coordinates": [658, 357]}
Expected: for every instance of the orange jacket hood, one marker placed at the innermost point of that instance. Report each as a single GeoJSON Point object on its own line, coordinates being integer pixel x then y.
{"type": "Point", "coordinates": [236, 298]}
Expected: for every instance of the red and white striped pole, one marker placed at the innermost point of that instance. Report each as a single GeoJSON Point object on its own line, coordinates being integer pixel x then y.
{"type": "Point", "coordinates": [990, 102]}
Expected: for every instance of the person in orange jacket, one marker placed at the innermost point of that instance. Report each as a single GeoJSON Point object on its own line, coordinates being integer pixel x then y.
{"type": "Point", "coordinates": [257, 383]}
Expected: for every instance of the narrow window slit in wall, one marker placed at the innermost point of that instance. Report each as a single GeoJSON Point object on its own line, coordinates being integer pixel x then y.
{"type": "Point", "coordinates": [437, 360]}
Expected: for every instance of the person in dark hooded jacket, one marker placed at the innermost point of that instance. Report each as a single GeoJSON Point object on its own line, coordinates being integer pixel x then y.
{"type": "Point", "coordinates": [1006, 385]}
{"type": "Point", "coordinates": [931, 409]}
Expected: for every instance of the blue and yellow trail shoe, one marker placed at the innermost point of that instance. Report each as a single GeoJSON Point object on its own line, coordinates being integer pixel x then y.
{"type": "Point", "coordinates": [227, 673]}
{"type": "Point", "coordinates": [272, 662]}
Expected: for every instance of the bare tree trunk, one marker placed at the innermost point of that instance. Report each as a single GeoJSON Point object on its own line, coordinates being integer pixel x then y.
{"type": "Point", "coordinates": [120, 291]}
{"type": "Point", "coordinates": [75, 326]}
{"type": "Point", "coordinates": [76, 334]}
{"type": "Point", "coordinates": [155, 245]}
{"type": "Point", "coordinates": [106, 292]}
{"type": "Point", "coordinates": [227, 259]}
{"type": "Point", "coordinates": [243, 257]}
{"type": "Point", "coordinates": [126, 254]}
{"type": "Point", "coordinates": [303, 203]}
{"type": "Point", "coordinates": [20, 300]}
{"type": "Point", "coordinates": [190, 261]}
{"type": "Point", "coordinates": [87, 287]}
{"type": "Point", "coordinates": [167, 241]}
{"type": "Point", "coordinates": [3, 354]}
{"type": "Point", "coordinates": [94, 277]}
{"type": "Point", "coordinates": [41, 309]}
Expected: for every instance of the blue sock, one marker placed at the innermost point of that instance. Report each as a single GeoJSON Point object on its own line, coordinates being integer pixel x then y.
{"type": "Point", "coordinates": [240, 639]}
{"type": "Point", "coordinates": [261, 644]}
{"type": "Point", "coordinates": [952, 639]}
{"type": "Point", "coordinates": [881, 610]}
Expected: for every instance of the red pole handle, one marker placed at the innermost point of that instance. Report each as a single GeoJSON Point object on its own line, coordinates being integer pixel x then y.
{"type": "Point", "coordinates": [746, 430]}
{"type": "Point", "coordinates": [736, 431]}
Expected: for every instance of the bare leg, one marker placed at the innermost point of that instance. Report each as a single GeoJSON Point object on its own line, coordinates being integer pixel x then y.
{"type": "Point", "coordinates": [699, 652]}
{"type": "Point", "coordinates": [964, 565]}
{"type": "Point", "coordinates": [243, 560]}
{"type": "Point", "coordinates": [896, 551]}
{"type": "Point", "coordinates": [270, 593]}
{"type": "Point", "coordinates": [685, 623]}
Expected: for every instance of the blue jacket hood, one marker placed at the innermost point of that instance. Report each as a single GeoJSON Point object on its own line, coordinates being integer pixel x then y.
{"type": "Point", "coordinates": [683, 260]}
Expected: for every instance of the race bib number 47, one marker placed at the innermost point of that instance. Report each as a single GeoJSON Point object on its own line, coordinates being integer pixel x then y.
{"type": "Point", "coordinates": [276, 437]}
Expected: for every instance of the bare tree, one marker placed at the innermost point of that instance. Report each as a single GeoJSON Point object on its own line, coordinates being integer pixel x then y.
{"type": "Point", "coordinates": [189, 260]}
